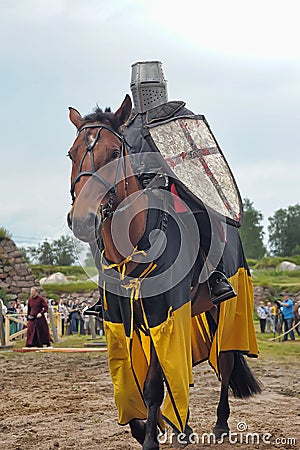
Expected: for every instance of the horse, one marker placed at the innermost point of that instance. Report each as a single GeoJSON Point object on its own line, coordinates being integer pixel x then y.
{"type": "Point", "coordinates": [151, 327]}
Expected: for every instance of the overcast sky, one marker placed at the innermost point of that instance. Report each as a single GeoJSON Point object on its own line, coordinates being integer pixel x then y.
{"type": "Point", "coordinates": [236, 62]}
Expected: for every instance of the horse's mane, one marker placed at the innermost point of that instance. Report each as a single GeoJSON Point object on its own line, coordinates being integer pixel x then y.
{"type": "Point", "coordinates": [106, 117]}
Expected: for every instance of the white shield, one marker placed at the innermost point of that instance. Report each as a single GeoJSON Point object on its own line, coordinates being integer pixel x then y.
{"type": "Point", "coordinates": [194, 156]}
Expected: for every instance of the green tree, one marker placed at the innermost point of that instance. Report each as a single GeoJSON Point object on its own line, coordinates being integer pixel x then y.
{"type": "Point", "coordinates": [61, 252]}
{"type": "Point", "coordinates": [284, 231]}
{"type": "Point", "coordinates": [43, 254]}
{"type": "Point", "coordinates": [89, 259]}
{"type": "Point", "coordinates": [64, 251]}
{"type": "Point", "coordinates": [251, 231]}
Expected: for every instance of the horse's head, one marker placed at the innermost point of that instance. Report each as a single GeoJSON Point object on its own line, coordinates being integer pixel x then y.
{"type": "Point", "coordinates": [98, 179]}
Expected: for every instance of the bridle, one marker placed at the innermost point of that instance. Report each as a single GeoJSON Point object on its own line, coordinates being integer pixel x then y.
{"type": "Point", "coordinates": [105, 210]}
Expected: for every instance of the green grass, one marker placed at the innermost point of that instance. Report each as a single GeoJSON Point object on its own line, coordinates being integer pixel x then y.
{"type": "Point", "coordinates": [73, 341]}
{"type": "Point", "coordinates": [269, 262]}
{"type": "Point", "coordinates": [54, 290]}
{"type": "Point", "coordinates": [276, 279]}
{"type": "Point", "coordinates": [4, 233]}
{"type": "Point", "coordinates": [264, 274]}
{"type": "Point", "coordinates": [40, 270]}
{"type": "Point", "coordinates": [282, 351]}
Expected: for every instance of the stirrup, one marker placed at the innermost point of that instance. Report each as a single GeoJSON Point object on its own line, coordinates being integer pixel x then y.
{"type": "Point", "coordinates": [220, 288]}
{"type": "Point", "coordinates": [95, 310]}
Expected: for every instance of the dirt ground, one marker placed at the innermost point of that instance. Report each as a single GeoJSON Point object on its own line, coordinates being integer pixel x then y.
{"type": "Point", "coordinates": [65, 401]}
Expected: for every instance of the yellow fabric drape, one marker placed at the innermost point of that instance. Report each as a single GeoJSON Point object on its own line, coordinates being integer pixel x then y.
{"type": "Point", "coordinates": [126, 378]}
{"type": "Point", "coordinates": [129, 361]}
{"type": "Point", "coordinates": [235, 326]}
{"type": "Point", "coordinates": [172, 342]}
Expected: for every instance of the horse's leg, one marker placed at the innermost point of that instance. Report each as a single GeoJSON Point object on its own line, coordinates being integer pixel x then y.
{"type": "Point", "coordinates": [138, 429]}
{"type": "Point", "coordinates": [226, 364]}
{"type": "Point", "coordinates": [153, 395]}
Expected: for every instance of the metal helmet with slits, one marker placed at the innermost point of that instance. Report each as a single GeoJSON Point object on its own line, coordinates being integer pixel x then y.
{"type": "Point", "coordinates": [148, 85]}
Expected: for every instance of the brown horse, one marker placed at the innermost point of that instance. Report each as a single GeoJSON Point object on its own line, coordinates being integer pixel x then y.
{"type": "Point", "coordinates": [145, 293]}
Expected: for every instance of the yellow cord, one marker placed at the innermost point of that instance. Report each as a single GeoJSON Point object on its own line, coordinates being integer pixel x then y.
{"type": "Point", "coordinates": [134, 283]}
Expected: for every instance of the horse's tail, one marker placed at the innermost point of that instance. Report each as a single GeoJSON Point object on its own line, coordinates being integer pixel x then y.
{"type": "Point", "coordinates": [242, 381]}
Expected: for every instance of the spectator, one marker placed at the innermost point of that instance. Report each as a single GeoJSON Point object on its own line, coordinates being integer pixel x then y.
{"type": "Point", "coordinates": [4, 312]}
{"type": "Point", "coordinates": [262, 314]}
{"type": "Point", "coordinates": [278, 317]}
{"type": "Point", "coordinates": [54, 307]}
{"type": "Point", "coordinates": [20, 316]}
{"type": "Point", "coordinates": [37, 326]}
{"type": "Point", "coordinates": [63, 310]}
{"type": "Point", "coordinates": [12, 310]}
{"type": "Point", "coordinates": [297, 316]}
{"type": "Point", "coordinates": [70, 304]}
{"type": "Point", "coordinates": [86, 320]}
{"type": "Point", "coordinates": [270, 322]}
{"type": "Point", "coordinates": [288, 317]}
{"type": "Point", "coordinates": [3, 307]}
{"type": "Point", "coordinates": [74, 314]}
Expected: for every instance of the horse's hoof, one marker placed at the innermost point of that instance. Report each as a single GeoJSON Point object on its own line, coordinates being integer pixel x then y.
{"type": "Point", "coordinates": [138, 430]}
{"type": "Point", "coordinates": [221, 432]}
{"type": "Point", "coordinates": [150, 445]}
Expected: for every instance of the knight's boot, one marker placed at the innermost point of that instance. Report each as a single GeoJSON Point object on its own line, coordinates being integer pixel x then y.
{"type": "Point", "coordinates": [220, 288]}
{"type": "Point", "coordinates": [95, 310]}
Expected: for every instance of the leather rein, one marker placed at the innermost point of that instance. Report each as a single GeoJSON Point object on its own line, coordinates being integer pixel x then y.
{"type": "Point", "coordinates": [106, 210]}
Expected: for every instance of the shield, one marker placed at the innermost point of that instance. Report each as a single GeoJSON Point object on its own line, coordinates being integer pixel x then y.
{"type": "Point", "coordinates": [195, 158]}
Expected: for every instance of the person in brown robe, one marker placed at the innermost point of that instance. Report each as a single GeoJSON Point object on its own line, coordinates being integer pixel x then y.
{"type": "Point", "coordinates": [37, 326]}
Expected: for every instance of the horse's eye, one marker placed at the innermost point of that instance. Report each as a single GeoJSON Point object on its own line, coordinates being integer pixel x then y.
{"type": "Point", "coordinates": [115, 154]}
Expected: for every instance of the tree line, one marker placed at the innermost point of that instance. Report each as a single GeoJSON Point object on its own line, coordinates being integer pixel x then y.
{"type": "Point", "coordinates": [60, 252]}
{"type": "Point", "coordinates": [283, 238]}
{"type": "Point", "coordinates": [283, 232]}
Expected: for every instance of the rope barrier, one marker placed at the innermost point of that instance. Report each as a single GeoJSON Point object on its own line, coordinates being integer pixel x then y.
{"type": "Point", "coordinates": [283, 334]}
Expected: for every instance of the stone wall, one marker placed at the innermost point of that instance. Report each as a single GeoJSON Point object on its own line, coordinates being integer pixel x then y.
{"type": "Point", "coordinates": [92, 296]}
{"type": "Point", "coordinates": [16, 277]}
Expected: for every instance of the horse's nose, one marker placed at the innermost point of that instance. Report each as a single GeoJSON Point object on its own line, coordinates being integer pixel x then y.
{"type": "Point", "coordinates": [84, 228]}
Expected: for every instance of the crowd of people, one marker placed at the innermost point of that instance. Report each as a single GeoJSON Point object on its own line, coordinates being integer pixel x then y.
{"type": "Point", "coordinates": [68, 313]}
{"type": "Point", "coordinates": [73, 319]}
{"type": "Point", "coordinates": [279, 317]}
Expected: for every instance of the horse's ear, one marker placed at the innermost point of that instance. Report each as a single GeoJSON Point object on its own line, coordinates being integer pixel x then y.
{"type": "Point", "coordinates": [75, 117]}
{"type": "Point", "coordinates": [124, 111]}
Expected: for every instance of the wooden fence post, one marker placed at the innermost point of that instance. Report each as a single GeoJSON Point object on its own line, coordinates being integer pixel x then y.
{"type": "Point", "coordinates": [53, 327]}
{"type": "Point", "coordinates": [92, 326]}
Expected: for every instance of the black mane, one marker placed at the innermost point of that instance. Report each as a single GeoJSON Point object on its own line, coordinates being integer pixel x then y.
{"type": "Point", "coordinates": [106, 117]}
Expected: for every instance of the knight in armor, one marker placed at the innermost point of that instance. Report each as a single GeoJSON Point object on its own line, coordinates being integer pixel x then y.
{"type": "Point", "coordinates": [151, 106]}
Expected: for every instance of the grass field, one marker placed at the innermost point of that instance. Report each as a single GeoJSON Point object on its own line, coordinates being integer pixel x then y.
{"type": "Point", "coordinates": [277, 280]}
{"type": "Point", "coordinates": [284, 351]}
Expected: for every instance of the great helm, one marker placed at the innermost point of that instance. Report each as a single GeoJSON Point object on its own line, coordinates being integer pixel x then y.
{"type": "Point", "coordinates": [148, 85]}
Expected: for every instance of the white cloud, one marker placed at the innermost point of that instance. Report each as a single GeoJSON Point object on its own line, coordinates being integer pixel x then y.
{"type": "Point", "coordinates": [271, 185]}
{"type": "Point", "coordinates": [232, 27]}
